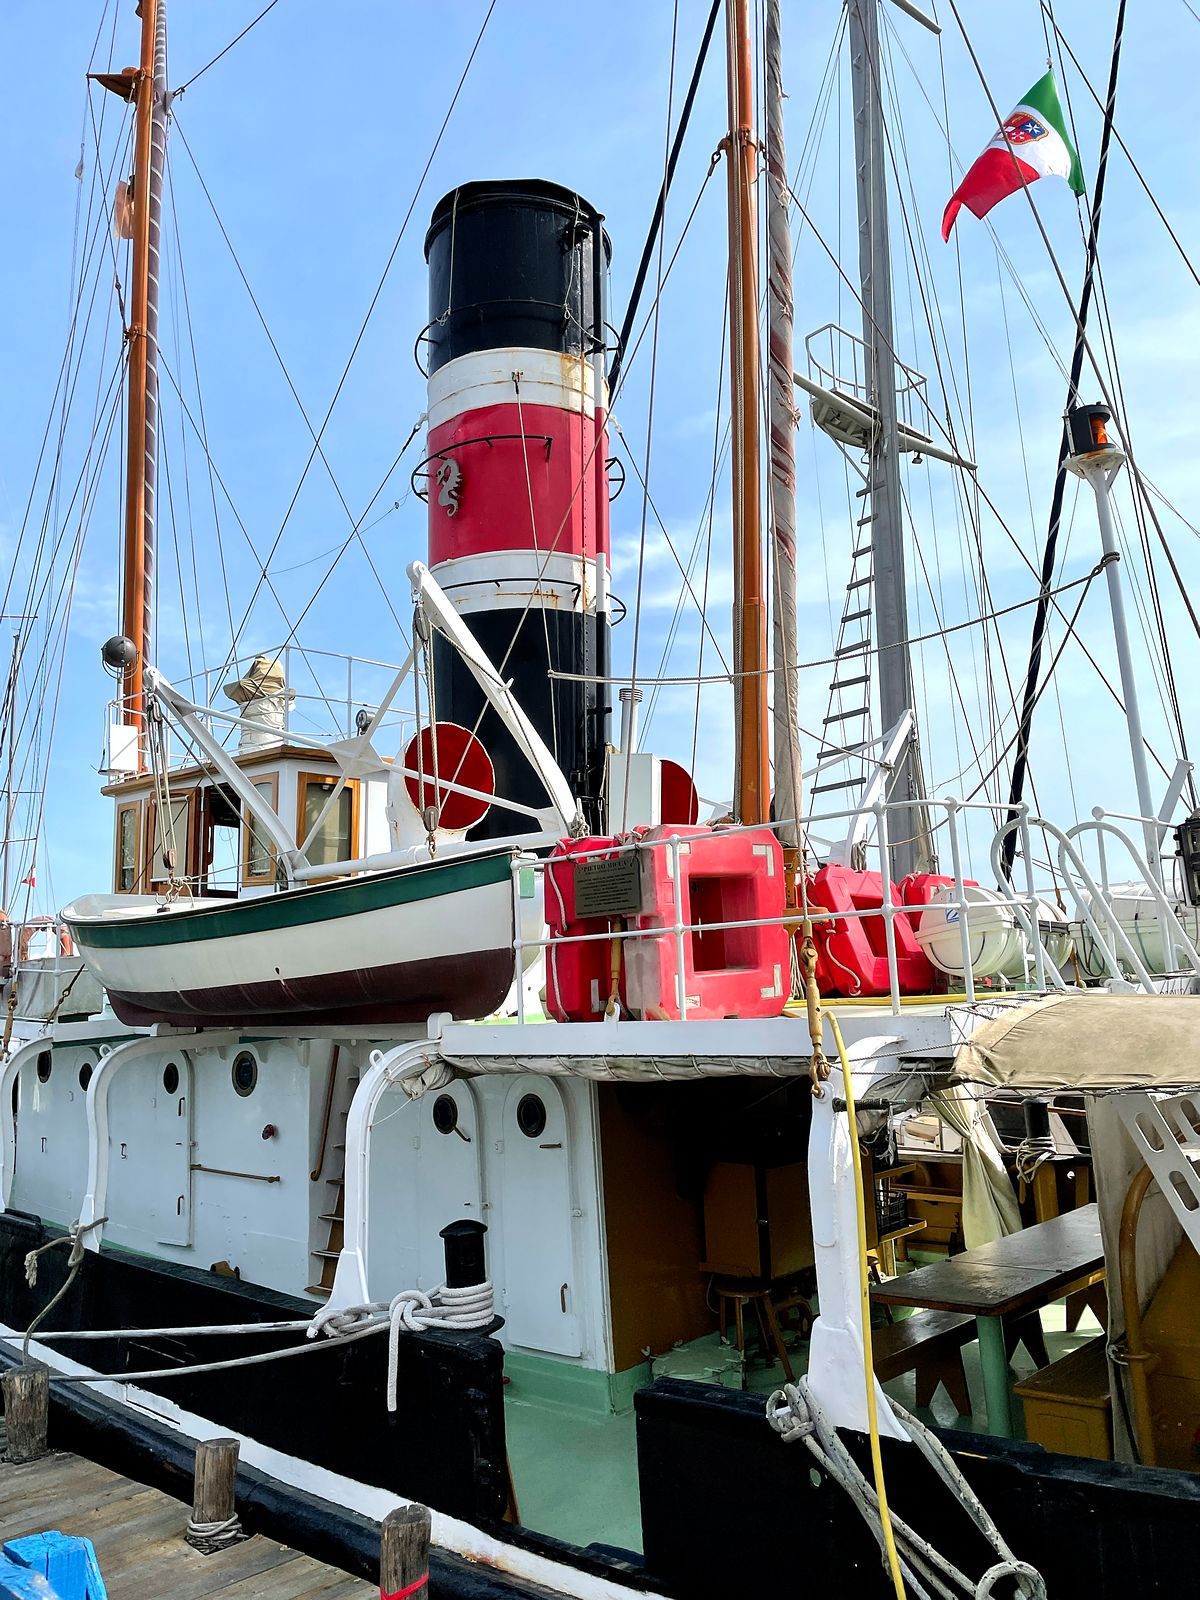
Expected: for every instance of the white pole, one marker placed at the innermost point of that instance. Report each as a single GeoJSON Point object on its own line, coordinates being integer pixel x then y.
{"type": "Point", "coordinates": [1100, 474]}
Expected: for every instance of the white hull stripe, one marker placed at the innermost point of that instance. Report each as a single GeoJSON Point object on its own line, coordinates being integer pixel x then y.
{"type": "Point", "coordinates": [449, 1533]}
{"type": "Point", "coordinates": [485, 378]}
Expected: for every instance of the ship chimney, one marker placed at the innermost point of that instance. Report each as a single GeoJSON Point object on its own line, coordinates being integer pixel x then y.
{"type": "Point", "coordinates": [517, 471]}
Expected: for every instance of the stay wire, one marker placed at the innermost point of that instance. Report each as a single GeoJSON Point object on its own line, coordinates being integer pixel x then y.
{"type": "Point", "coordinates": [220, 53]}
{"type": "Point", "coordinates": [369, 312]}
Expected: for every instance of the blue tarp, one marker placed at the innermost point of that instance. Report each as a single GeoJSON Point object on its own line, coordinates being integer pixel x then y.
{"type": "Point", "coordinates": [65, 1565]}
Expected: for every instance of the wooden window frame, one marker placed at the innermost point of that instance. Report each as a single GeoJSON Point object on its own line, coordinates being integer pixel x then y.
{"type": "Point", "coordinates": [138, 808]}
{"type": "Point", "coordinates": [303, 779]}
{"type": "Point", "coordinates": [188, 847]}
{"type": "Point", "coordinates": [249, 879]}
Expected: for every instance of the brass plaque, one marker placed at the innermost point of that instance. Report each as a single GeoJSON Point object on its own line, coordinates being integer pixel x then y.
{"type": "Point", "coordinates": [608, 888]}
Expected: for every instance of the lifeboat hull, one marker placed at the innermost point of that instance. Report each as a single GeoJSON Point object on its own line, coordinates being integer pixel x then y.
{"type": "Point", "coordinates": [390, 947]}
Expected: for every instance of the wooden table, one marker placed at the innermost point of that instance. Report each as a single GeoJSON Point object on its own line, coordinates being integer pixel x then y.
{"type": "Point", "coordinates": [1020, 1273]}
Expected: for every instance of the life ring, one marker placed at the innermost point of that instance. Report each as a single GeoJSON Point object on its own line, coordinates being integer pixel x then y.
{"type": "Point", "coordinates": [30, 931]}
{"type": "Point", "coordinates": [6, 947]}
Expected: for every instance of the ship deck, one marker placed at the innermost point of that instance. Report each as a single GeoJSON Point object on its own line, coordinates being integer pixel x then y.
{"type": "Point", "coordinates": [138, 1537]}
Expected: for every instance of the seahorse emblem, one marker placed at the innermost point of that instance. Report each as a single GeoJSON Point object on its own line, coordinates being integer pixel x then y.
{"type": "Point", "coordinates": [449, 479]}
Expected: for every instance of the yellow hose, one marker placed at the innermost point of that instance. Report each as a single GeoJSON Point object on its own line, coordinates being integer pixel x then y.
{"type": "Point", "coordinates": [864, 1293]}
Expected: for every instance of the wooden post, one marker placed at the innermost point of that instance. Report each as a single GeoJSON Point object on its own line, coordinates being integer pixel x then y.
{"type": "Point", "coordinates": [215, 1489]}
{"type": "Point", "coordinates": [404, 1553]}
{"type": "Point", "coordinates": [26, 1411]}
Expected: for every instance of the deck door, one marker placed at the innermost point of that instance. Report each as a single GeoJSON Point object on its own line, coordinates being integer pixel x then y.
{"type": "Point", "coordinates": [169, 1202]}
{"type": "Point", "coordinates": [535, 1166]}
{"type": "Point", "coordinates": [449, 1186]}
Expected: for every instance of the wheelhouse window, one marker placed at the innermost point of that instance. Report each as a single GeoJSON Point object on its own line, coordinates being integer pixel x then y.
{"type": "Point", "coordinates": [128, 848]}
{"type": "Point", "coordinates": [337, 834]}
{"type": "Point", "coordinates": [163, 837]}
{"type": "Point", "coordinates": [258, 852]}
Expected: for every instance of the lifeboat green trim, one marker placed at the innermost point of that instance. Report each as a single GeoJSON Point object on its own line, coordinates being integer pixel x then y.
{"type": "Point", "coordinates": [291, 908]}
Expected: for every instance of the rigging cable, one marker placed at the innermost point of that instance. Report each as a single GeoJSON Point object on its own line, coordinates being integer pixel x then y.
{"type": "Point", "coordinates": [235, 40]}
{"type": "Point", "coordinates": [645, 475]}
{"type": "Point", "coordinates": [370, 311]}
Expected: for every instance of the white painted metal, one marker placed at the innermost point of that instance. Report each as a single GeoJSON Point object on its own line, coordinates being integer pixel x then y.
{"type": "Point", "coordinates": [1166, 1130]}
{"type": "Point", "coordinates": [511, 580]}
{"type": "Point", "coordinates": [895, 743]}
{"type": "Point", "coordinates": [836, 1367]}
{"type": "Point", "coordinates": [485, 378]}
{"type": "Point", "coordinates": [1099, 471]}
{"type": "Point", "coordinates": [538, 1292]}
{"type": "Point", "coordinates": [500, 697]}
{"type": "Point", "coordinates": [449, 1186]}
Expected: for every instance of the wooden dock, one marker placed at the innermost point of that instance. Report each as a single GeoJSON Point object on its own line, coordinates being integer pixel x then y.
{"type": "Point", "coordinates": [138, 1536]}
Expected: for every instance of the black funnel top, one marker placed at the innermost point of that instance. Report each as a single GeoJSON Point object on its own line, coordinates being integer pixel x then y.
{"type": "Point", "coordinates": [515, 263]}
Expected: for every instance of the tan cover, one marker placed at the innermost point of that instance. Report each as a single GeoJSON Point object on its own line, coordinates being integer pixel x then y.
{"type": "Point", "coordinates": [1088, 1041]}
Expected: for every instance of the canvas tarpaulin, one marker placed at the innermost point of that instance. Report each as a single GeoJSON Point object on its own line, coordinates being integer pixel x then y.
{"type": "Point", "coordinates": [1087, 1042]}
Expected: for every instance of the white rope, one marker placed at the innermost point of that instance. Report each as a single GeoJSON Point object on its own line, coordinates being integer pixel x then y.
{"type": "Point", "coordinates": [459, 1310]}
{"type": "Point", "coordinates": [209, 1537]}
{"type": "Point", "coordinates": [796, 1416]}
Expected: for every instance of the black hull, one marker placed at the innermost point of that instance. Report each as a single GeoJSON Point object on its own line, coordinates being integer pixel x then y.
{"type": "Point", "coordinates": [706, 1458]}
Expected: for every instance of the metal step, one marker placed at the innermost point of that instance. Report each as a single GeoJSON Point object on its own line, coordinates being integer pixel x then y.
{"type": "Point", "coordinates": [846, 783]}
{"type": "Point", "coordinates": [323, 1289]}
{"type": "Point", "coordinates": [859, 583]}
{"type": "Point", "coordinates": [845, 716]}
{"type": "Point", "coordinates": [332, 1216]}
{"type": "Point", "coordinates": [855, 616]}
{"type": "Point", "coordinates": [838, 685]}
{"type": "Point", "coordinates": [863, 550]}
{"type": "Point", "coordinates": [326, 1255]}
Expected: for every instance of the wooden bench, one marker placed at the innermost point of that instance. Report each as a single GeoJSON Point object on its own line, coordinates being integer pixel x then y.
{"type": "Point", "coordinates": [929, 1342]}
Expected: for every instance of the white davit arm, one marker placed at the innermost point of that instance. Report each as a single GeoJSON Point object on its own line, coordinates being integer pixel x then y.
{"type": "Point", "coordinates": [501, 698]}
{"type": "Point", "coordinates": [190, 717]}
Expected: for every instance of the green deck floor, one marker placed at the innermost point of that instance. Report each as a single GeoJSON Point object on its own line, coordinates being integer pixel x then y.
{"type": "Point", "coordinates": [576, 1473]}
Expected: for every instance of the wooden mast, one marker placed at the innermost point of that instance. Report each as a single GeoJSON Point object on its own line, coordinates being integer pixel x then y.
{"type": "Point", "coordinates": [752, 799]}
{"type": "Point", "coordinates": [149, 96]}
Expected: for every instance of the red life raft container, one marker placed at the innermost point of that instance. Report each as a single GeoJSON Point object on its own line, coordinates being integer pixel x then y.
{"type": "Point", "coordinates": [578, 976]}
{"type": "Point", "coordinates": [923, 888]}
{"type": "Point", "coordinates": [725, 875]}
{"type": "Point", "coordinates": [852, 956]}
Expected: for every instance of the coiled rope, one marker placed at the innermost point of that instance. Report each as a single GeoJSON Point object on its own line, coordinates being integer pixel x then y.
{"type": "Point", "coordinates": [460, 1310]}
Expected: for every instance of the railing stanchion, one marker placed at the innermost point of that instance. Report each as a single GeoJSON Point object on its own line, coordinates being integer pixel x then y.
{"type": "Point", "coordinates": [518, 941]}
{"type": "Point", "coordinates": [680, 947]}
{"type": "Point", "coordinates": [1035, 926]}
{"type": "Point", "coordinates": [889, 909]}
{"type": "Point", "coordinates": [964, 932]}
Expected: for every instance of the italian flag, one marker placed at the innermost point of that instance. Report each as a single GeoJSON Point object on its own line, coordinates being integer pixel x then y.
{"type": "Point", "coordinates": [1034, 143]}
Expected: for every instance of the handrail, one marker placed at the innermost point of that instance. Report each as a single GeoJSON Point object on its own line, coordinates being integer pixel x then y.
{"type": "Point", "coordinates": [1067, 848]}
{"type": "Point", "coordinates": [1101, 826]}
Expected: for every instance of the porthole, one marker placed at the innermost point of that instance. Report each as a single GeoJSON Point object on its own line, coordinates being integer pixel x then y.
{"type": "Point", "coordinates": [170, 1077]}
{"type": "Point", "coordinates": [531, 1116]}
{"type": "Point", "coordinates": [245, 1073]}
{"type": "Point", "coordinates": [445, 1113]}
{"type": "Point", "coordinates": [85, 1074]}
{"type": "Point", "coordinates": [44, 1063]}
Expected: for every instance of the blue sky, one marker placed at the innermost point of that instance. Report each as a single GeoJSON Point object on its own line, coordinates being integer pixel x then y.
{"type": "Point", "coordinates": [311, 136]}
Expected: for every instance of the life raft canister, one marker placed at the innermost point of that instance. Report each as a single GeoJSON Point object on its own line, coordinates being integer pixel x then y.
{"type": "Point", "coordinates": [852, 954]}
{"type": "Point", "coordinates": [725, 875]}
{"type": "Point", "coordinates": [578, 976]}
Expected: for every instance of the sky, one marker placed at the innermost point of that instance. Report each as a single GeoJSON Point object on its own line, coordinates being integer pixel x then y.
{"type": "Point", "coordinates": [311, 136]}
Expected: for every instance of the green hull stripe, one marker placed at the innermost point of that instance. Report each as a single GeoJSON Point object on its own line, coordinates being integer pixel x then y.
{"type": "Point", "coordinates": [293, 908]}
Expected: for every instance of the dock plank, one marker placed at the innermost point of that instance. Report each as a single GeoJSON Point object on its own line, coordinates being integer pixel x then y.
{"type": "Point", "coordinates": [138, 1535]}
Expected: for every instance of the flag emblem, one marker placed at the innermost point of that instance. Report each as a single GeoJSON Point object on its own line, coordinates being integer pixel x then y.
{"type": "Point", "coordinates": [1022, 128]}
